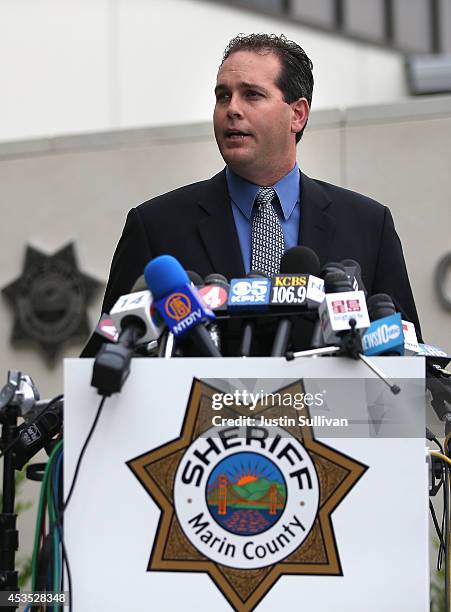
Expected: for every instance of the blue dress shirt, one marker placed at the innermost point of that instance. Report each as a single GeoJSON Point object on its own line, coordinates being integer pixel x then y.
{"type": "Point", "coordinates": [288, 208]}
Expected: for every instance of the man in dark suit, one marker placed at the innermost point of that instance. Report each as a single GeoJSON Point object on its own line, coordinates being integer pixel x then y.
{"type": "Point", "coordinates": [261, 204]}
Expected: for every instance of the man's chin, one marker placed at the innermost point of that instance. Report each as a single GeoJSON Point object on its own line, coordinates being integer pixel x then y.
{"type": "Point", "coordinates": [237, 157]}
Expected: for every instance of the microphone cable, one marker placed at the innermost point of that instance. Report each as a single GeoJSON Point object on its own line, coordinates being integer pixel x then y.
{"type": "Point", "coordinates": [82, 453]}
{"type": "Point", "coordinates": [65, 504]}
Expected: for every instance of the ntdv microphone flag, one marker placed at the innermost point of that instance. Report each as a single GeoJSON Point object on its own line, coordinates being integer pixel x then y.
{"type": "Point", "coordinates": [175, 297]}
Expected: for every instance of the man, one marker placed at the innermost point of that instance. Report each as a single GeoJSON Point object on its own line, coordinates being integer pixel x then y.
{"type": "Point", "coordinates": [246, 216]}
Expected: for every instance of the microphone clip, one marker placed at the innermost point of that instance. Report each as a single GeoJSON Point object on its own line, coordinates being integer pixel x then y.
{"type": "Point", "coordinates": [350, 342]}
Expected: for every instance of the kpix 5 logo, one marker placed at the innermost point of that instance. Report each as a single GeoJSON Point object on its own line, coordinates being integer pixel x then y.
{"type": "Point", "coordinates": [249, 291]}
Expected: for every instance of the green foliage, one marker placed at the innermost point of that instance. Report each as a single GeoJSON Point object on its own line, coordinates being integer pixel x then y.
{"type": "Point", "coordinates": [437, 587]}
{"type": "Point", "coordinates": [24, 567]}
{"type": "Point", "coordinates": [438, 591]}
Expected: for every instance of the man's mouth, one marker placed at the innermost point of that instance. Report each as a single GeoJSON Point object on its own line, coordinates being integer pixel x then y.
{"type": "Point", "coordinates": [236, 134]}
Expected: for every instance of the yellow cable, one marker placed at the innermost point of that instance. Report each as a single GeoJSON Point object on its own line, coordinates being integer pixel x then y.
{"type": "Point", "coordinates": [440, 456]}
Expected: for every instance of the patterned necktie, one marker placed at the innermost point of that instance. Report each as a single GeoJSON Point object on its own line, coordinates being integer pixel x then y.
{"type": "Point", "coordinates": [267, 235]}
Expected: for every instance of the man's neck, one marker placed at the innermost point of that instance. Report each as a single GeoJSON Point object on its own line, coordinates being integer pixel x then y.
{"type": "Point", "coordinates": [264, 178]}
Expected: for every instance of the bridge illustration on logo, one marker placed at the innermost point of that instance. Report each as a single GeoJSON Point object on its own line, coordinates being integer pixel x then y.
{"type": "Point", "coordinates": [245, 504]}
{"type": "Point", "coordinates": [246, 493]}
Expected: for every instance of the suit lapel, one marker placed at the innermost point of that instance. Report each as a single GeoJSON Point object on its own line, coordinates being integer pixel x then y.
{"type": "Point", "coordinates": [317, 227]}
{"type": "Point", "coordinates": [218, 231]}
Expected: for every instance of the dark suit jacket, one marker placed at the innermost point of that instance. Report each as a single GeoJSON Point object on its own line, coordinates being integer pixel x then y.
{"type": "Point", "coordinates": [195, 224]}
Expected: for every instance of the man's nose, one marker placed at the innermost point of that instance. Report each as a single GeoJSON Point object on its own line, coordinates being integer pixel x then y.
{"type": "Point", "coordinates": [234, 109]}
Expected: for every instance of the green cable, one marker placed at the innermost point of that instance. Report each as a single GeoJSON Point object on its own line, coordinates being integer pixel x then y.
{"type": "Point", "coordinates": [39, 517]}
{"type": "Point", "coordinates": [52, 527]}
{"type": "Point", "coordinates": [38, 532]}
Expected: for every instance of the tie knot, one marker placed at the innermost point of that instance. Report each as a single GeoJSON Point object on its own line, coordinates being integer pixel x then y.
{"type": "Point", "coordinates": [265, 195]}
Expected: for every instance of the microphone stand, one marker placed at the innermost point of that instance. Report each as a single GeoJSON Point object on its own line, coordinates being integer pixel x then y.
{"type": "Point", "coordinates": [351, 346]}
{"type": "Point", "coordinates": [167, 345]}
{"type": "Point", "coordinates": [18, 392]}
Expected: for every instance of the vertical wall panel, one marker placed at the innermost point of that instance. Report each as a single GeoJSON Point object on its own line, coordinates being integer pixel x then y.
{"type": "Point", "coordinates": [271, 5]}
{"type": "Point", "coordinates": [412, 24]}
{"type": "Point", "coordinates": [365, 18]}
{"type": "Point", "coordinates": [445, 23]}
{"type": "Point", "coordinates": [314, 11]}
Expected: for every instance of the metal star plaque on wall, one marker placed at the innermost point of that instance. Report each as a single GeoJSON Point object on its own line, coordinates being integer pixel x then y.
{"type": "Point", "coordinates": [50, 299]}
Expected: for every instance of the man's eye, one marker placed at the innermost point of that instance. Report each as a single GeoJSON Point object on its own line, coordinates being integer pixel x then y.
{"type": "Point", "coordinates": [253, 94]}
{"type": "Point", "coordinates": [222, 97]}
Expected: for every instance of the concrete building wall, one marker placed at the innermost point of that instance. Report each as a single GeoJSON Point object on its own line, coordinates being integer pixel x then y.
{"type": "Point", "coordinates": [73, 66]}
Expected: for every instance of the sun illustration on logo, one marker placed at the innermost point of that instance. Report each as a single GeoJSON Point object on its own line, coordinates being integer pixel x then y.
{"type": "Point", "coordinates": [245, 504]}
{"type": "Point", "coordinates": [246, 493]}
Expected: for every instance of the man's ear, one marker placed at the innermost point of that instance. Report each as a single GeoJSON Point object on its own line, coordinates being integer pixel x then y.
{"type": "Point", "coordinates": [301, 112]}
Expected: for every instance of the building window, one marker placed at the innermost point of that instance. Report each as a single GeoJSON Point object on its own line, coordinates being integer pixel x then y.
{"type": "Point", "coordinates": [365, 18]}
{"type": "Point", "coordinates": [412, 25]}
{"type": "Point", "coordinates": [320, 12]}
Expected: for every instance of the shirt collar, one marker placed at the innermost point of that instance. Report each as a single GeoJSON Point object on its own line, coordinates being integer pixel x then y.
{"type": "Point", "coordinates": [243, 192]}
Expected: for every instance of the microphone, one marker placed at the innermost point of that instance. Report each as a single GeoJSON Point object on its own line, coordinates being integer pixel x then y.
{"type": "Point", "coordinates": [381, 305]}
{"type": "Point", "coordinates": [251, 293]}
{"type": "Point", "coordinates": [32, 436]}
{"type": "Point", "coordinates": [385, 335]}
{"type": "Point", "coordinates": [438, 354]}
{"type": "Point", "coordinates": [317, 340]}
{"type": "Point", "coordinates": [411, 346]}
{"type": "Point", "coordinates": [106, 328]}
{"type": "Point", "coordinates": [439, 385]}
{"type": "Point", "coordinates": [354, 272]}
{"type": "Point", "coordinates": [249, 324]}
{"type": "Point", "coordinates": [298, 283]}
{"type": "Point", "coordinates": [132, 316]}
{"type": "Point", "coordinates": [289, 288]}
{"type": "Point", "coordinates": [214, 293]}
{"type": "Point", "coordinates": [179, 303]}
{"type": "Point", "coordinates": [194, 277]}
{"type": "Point", "coordinates": [342, 312]}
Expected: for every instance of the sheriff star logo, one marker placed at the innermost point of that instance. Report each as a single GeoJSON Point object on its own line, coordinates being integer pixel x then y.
{"type": "Point", "coordinates": [50, 300]}
{"type": "Point", "coordinates": [245, 505]}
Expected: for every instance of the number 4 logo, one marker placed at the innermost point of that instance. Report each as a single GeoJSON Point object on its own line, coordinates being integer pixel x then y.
{"type": "Point", "coordinates": [214, 296]}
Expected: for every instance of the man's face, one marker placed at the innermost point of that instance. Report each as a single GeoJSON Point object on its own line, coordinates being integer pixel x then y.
{"type": "Point", "coordinates": [254, 127]}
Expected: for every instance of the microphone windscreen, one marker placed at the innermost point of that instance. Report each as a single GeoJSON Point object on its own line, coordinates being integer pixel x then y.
{"type": "Point", "coordinates": [336, 282]}
{"type": "Point", "coordinates": [164, 274]}
{"type": "Point", "coordinates": [140, 285]}
{"type": "Point", "coordinates": [331, 267]}
{"type": "Point", "coordinates": [352, 263]}
{"type": "Point", "coordinates": [195, 278]}
{"type": "Point", "coordinates": [256, 274]}
{"type": "Point", "coordinates": [215, 279]}
{"type": "Point", "coordinates": [380, 305]}
{"type": "Point", "coordinates": [300, 259]}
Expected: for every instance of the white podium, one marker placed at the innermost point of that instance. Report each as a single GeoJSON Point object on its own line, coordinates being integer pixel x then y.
{"type": "Point", "coordinates": [249, 484]}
